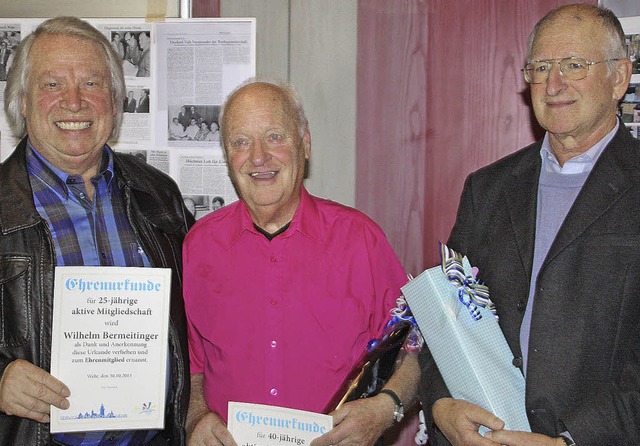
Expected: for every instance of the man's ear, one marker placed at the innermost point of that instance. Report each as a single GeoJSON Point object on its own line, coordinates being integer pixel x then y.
{"type": "Point", "coordinates": [621, 78]}
{"type": "Point", "coordinates": [306, 141]}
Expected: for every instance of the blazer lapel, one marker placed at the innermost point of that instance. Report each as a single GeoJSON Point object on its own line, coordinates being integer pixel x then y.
{"type": "Point", "coordinates": [606, 184]}
{"type": "Point", "coordinates": [521, 199]}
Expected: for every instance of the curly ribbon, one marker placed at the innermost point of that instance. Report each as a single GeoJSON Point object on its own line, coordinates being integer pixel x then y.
{"type": "Point", "coordinates": [400, 315]}
{"type": "Point", "coordinates": [472, 293]}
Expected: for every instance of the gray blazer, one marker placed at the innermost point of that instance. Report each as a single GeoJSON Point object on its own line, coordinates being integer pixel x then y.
{"type": "Point", "coordinates": [584, 355]}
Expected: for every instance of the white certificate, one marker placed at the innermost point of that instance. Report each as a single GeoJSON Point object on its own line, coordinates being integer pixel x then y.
{"type": "Point", "coordinates": [110, 337]}
{"type": "Point", "coordinates": [261, 425]}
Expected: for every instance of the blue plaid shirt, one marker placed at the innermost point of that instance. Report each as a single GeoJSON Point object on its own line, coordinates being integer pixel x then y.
{"type": "Point", "coordinates": [87, 232]}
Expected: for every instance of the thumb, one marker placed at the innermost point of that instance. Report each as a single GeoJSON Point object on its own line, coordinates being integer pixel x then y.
{"type": "Point", "coordinates": [494, 423]}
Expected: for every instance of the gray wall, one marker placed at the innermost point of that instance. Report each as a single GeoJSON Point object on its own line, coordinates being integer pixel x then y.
{"type": "Point", "coordinates": [622, 8]}
{"type": "Point", "coordinates": [313, 44]}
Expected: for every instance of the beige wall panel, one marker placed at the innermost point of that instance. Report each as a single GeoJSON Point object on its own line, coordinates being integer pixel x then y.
{"type": "Point", "coordinates": [272, 33]}
{"type": "Point", "coordinates": [82, 8]}
{"type": "Point", "coordinates": [323, 69]}
{"type": "Point", "coordinates": [312, 43]}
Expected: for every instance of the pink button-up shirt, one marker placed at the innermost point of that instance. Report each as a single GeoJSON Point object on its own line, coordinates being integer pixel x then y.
{"type": "Point", "coordinates": [285, 322]}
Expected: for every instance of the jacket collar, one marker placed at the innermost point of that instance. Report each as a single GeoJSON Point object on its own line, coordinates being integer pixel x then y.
{"type": "Point", "coordinates": [616, 172]}
{"type": "Point", "coordinates": [18, 211]}
{"type": "Point", "coordinates": [153, 199]}
{"type": "Point", "coordinates": [521, 197]}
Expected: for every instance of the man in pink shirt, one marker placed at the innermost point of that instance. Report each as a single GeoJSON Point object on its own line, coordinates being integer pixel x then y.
{"type": "Point", "coordinates": [284, 290]}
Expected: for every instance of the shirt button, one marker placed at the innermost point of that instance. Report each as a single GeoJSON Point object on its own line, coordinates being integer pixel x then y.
{"type": "Point", "coordinates": [274, 344]}
{"type": "Point", "coordinates": [81, 194]}
{"type": "Point", "coordinates": [274, 302]}
{"type": "Point", "coordinates": [273, 391]}
{"type": "Point", "coordinates": [517, 361]}
{"type": "Point", "coordinates": [273, 259]}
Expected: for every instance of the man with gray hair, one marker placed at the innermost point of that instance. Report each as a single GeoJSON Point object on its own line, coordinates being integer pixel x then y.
{"type": "Point", "coordinates": [284, 290]}
{"type": "Point", "coordinates": [554, 230]}
{"type": "Point", "coordinates": [67, 199]}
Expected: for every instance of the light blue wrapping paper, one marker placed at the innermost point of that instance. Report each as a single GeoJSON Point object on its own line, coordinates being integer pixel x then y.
{"type": "Point", "coordinates": [472, 355]}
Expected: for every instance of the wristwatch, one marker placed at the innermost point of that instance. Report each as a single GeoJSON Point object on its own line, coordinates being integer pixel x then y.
{"type": "Point", "coordinates": [568, 439]}
{"type": "Point", "coordinates": [398, 411]}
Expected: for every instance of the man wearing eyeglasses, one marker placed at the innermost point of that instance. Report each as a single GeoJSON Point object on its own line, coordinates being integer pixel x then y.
{"type": "Point", "coordinates": [555, 232]}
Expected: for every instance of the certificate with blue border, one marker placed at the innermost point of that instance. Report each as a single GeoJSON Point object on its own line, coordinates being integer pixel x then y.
{"type": "Point", "coordinates": [263, 425]}
{"type": "Point", "coordinates": [110, 338]}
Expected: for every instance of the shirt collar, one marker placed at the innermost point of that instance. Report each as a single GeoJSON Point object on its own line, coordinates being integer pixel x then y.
{"type": "Point", "coordinates": [582, 163]}
{"type": "Point", "coordinates": [57, 179]}
{"type": "Point", "coordinates": [305, 220]}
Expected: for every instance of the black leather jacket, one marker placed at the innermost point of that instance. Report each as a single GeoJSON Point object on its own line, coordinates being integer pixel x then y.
{"type": "Point", "coordinates": [27, 259]}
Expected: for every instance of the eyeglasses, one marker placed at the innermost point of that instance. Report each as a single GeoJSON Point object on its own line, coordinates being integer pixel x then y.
{"type": "Point", "coordinates": [572, 68]}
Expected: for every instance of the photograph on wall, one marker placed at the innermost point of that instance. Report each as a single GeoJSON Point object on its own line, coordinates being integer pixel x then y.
{"type": "Point", "coordinates": [630, 105]}
{"type": "Point", "coordinates": [10, 36]}
{"type": "Point", "coordinates": [633, 51]}
{"type": "Point", "coordinates": [201, 205]}
{"type": "Point", "coordinates": [193, 123]}
{"type": "Point", "coordinates": [631, 27]}
{"type": "Point", "coordinates": [9, 40]}
{"type": "Point", "coordinates": [134, 48]}
{"type": "Point", "coordinates": [137, 100]}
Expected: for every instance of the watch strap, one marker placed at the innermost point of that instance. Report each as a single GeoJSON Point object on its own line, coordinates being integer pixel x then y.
{"type": "Point", "coordinates": [398, 412]}
{"type": "Point", "coordinates": [568, 439]}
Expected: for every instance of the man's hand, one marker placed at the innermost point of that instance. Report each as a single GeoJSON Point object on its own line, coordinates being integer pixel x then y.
{"type": "Point", "coordinates": [362, 422]}
{"type": "Point", "coordinates": [210, 430]}
{"type": "Point", "coordinates": [359, 422]}
{"type": "Point", "coordinates": [459, 421]}
{"type": "Point", "coordinates": [516, 438]}
{"type": "Point", "coordinates": [27, 391]}
{"type": "Point", "coordinates": [204, 428]}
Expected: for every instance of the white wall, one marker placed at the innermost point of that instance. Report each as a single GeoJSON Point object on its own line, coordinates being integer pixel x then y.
{"type": "Point", "coordinates": [312, 44]}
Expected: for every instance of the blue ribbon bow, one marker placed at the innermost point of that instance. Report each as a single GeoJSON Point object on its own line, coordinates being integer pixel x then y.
{"type": "Point", "coordinates": [472, 293]}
